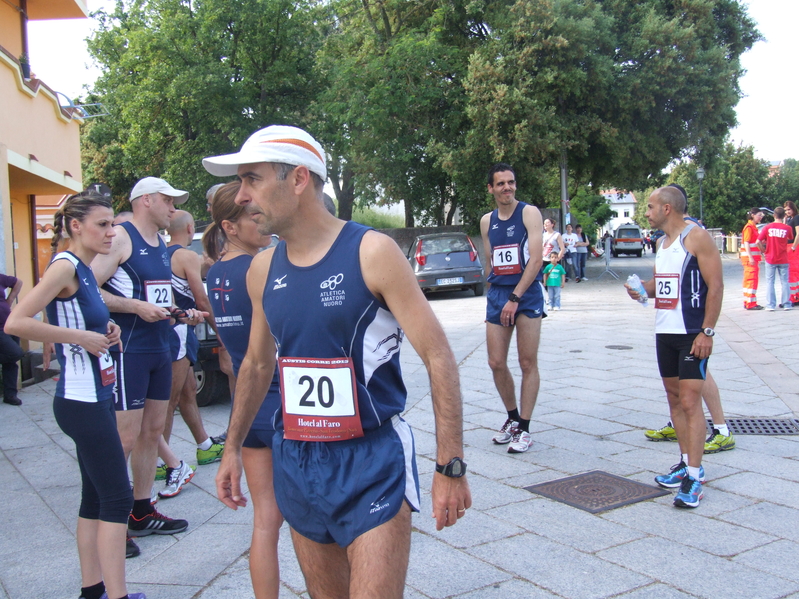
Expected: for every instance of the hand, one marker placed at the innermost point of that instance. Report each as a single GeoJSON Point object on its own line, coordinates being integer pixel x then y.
{"type": "Point", "coordinates": [451, 499]}
{"type": "Point", "coordinates": [702, 346]}
{"type": "Point", "coordinates": [228, 479]}
{"type": "Point", "coordinates": [632, 292]}
{"type": "Point", "coordinates": [150, 312]}
{"type": "Point", "coordinates": [752, 261]}
{"type": "Point", "coordinates": [114, 335]}
{"type": "Point", "coordinates": [508, 315]}
{"type": "Point", "coordinates": [94, 343]}
{"type": "Point", "coordinates": [47, 352]}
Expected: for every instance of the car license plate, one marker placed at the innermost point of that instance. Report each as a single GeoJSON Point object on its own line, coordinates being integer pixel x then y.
{"type": "Point", "coordinates": [452, 281]}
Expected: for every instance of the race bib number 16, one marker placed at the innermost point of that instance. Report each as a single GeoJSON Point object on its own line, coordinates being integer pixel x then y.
{"type": "Point", "coordinates": [320, 399]}
{"type": "Point", "coordinates": [505, 260]}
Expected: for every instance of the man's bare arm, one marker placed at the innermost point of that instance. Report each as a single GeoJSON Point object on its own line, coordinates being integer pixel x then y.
{"type": "Point", "coordinates": [485, 222]}
{"type": "Point", "coordinates": [388, 275]}
{"type": "Point", "coordinates": [700, 244]}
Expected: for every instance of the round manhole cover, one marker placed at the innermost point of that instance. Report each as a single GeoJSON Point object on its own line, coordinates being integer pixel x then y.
{"type": "Point", "coordinates": [618, 347]}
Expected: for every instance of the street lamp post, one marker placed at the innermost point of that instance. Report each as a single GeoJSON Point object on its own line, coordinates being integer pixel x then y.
{"type": "Point", "coordinates": [700, 174]}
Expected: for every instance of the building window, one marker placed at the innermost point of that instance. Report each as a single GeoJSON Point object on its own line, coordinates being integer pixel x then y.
{"type": "Point", "coordinates": [626, 214]}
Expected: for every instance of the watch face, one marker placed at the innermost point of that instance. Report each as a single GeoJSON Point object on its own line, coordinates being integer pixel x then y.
{"type": "Point", "coordinates": [456, 468]}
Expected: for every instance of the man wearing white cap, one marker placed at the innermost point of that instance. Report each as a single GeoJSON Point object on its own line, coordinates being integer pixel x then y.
{"type": "Point", "coordinates": [335, 300]}
{"type": "Point", "coordinates": [136, 281]}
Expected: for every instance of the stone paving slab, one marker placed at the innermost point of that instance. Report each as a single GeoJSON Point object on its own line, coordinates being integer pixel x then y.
{"type": "Point", "coordinates": [593, 406]}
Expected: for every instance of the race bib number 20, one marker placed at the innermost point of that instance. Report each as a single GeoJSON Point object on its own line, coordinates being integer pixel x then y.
{"type": "Point", "coordinates": [320, 399]}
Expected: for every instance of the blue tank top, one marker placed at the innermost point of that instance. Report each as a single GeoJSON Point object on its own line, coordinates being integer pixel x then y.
{"type": "Point", "coordinates": [511, 232]}
{"type": "Point", "coordinates": [181, 292]}
{"type": "Point", "coordinates": [145, 264]}
{"type": "Point", "coordinates": [230, 302]}
{"type": "Point", "coordinates": [80, 378]}
{"type": "Point", "coordinates": [327, 311]}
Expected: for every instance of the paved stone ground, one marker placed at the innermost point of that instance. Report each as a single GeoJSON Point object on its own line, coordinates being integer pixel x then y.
{"type": "Point", "coordinates": [593, 405]}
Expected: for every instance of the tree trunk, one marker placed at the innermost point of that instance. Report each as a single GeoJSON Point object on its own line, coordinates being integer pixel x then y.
{"type": "Point", "coordinates": [408, 213]}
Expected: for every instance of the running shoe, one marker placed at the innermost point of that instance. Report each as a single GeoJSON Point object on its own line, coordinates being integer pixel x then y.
{"type": "Point", "coordinates": [175, 479]}
{"type": "Point", "coordinates": [154, 523]}
{"type": "Point", "coordinates": [212, 454]}
{"type": "Point", "coordinates": [690, 493]}
{"type": "Point", "coordinates": [160, 472]}
{"type": "Point", "coordinates": [520, 442]}
{"type": "Point", "coordinates": [667, 433]}
{"type": "Point", "coordinates": [131, 548]}
{"type": "Point", "coordinates": [717, 442]}
{"type": "Point", "coordinates": [222, 437]}
{"type": "Point", "coordinates": [678, 473]}
{"type": "Point", "coordinates": [506, 432]}
{"type": "Point", "coordinates": [769, 309]}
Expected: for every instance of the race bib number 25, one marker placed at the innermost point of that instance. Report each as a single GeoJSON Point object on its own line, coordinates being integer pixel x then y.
{"type": "Point", "coordinates": [667, 291]}
{"type": "Point", "coordinates": [320, 399]}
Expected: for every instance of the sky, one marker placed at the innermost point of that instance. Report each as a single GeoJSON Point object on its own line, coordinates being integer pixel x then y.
{"type": "Point", "coordinates": [60, 59]}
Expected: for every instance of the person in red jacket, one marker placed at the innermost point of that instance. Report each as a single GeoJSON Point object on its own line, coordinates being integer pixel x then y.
{"type": "Point", "coordinates": [773, 241]}
{"type": "Point", "coordinates": [750, 258]}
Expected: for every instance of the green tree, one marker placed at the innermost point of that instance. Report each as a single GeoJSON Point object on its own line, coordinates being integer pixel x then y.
{"type": "Point", "coordinates": [590, 210]}
{"type": "Point", "coordinates": [736, 182]}
{"type": "Point", "coordinates": [621, 87]}
{"type": "Point", "coordinates": [786, 183]}
{"type": "Point", "coordinates": [184, 80]}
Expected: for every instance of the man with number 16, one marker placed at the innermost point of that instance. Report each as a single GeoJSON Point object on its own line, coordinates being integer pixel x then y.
{"type": "Point", "coordinates": [513, 237]}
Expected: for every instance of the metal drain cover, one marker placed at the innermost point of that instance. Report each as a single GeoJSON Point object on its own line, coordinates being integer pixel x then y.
{"type": "Point", "coordinates": [618, 347]}
{"type": "Point", "coordinates": [761, 426]}
{"type": "Point", "coordinates": [596, 491]}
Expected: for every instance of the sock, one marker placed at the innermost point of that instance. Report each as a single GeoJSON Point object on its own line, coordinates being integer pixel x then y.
{"type": "Point", "coordinates": [93, 592]}
{"type": "Point", "coordinates": [684, 458]}
{"type": "Point", "coordinates": [524, 425]}
{"type": "Point", "coordinates": [722, 429]}
{"type": "Point", "coordinates": [514, 414]}
{"type": "Point", "coordinates": [205, 445]}
{"type": "Point", "coordinates": [141, 507]}
{"type": "Point", "coordinates": [693, 473]}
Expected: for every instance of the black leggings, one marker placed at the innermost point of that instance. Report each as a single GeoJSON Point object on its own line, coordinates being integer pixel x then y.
{"type": "Point", "coordinates": [106, 493]}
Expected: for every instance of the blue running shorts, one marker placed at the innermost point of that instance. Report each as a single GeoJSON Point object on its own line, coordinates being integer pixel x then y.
{"type": "Point", "coordinates": [531, 304]}
{"type": "Point", "coordinates": [140, 377]}
{"type": "Point", "coordinates": [183, 343]}
{"type": "Point", "coordinates": [334, 492]}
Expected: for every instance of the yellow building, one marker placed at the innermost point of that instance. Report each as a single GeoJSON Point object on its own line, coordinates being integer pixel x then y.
{"type": "Point", "coordinates": [39, 139]}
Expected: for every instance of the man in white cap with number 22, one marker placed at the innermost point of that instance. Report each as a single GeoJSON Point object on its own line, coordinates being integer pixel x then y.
{"type": "Point", "coordinates": [335, 299]}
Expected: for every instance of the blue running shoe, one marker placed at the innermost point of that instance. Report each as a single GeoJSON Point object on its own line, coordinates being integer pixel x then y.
{"type": "Point", "coordinates": [674, 479]}
{"type": "Point", "coordinates": [690, 493]}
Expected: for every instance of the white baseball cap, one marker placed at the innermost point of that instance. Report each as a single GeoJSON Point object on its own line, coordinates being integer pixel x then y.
{"type": "Point", "coordinates": [156, 185]}
{"type": "Point", "coordinates": [277, 143]}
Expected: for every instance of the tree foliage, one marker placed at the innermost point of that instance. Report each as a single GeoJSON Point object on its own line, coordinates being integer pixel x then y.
{"type": "Point", "coordinates": [786, 183]}
{"type": "Point", "coordinates": [185, 79]}
{"type": "Point", "coordinates": [736, 182]}
{"type": "Point", "coordinates": [415, 99]}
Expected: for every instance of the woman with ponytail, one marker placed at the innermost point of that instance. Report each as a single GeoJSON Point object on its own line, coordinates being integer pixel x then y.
{"type": "Point", "coordinates": [233, 236]}
{"type": "Point", "coordinates": [83, 333]}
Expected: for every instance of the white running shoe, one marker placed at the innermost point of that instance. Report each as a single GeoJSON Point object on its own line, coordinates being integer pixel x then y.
{"type": "Point", "coordinates": [175, 479]}
{"type": "Point", "coordinates": [521, 441]}
{"type": "Point", "coordinates": [505, 434]}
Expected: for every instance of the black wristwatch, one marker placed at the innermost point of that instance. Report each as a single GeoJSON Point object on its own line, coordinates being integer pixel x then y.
{"type": "Point", "coordinates": [513, 298]}
{"type": "Point", "coordinates": [455, 469]}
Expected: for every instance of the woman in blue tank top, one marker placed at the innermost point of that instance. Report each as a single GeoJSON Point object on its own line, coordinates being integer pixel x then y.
{"type": "Point", "coordinates": [234, 236]}
{"type": "Point", "coordinates": [79, 325]}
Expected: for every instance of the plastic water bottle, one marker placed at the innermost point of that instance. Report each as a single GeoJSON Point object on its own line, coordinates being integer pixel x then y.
{"type": "Point", "coordinates": [635, 283]}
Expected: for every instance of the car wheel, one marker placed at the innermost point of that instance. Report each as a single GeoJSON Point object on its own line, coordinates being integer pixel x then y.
{"type": "Point", "coordinates": [211, 386]}
{"type": "Point", "coordinates": [479, 289]}
{"type": "Point", "coordinates": [639, 253]}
